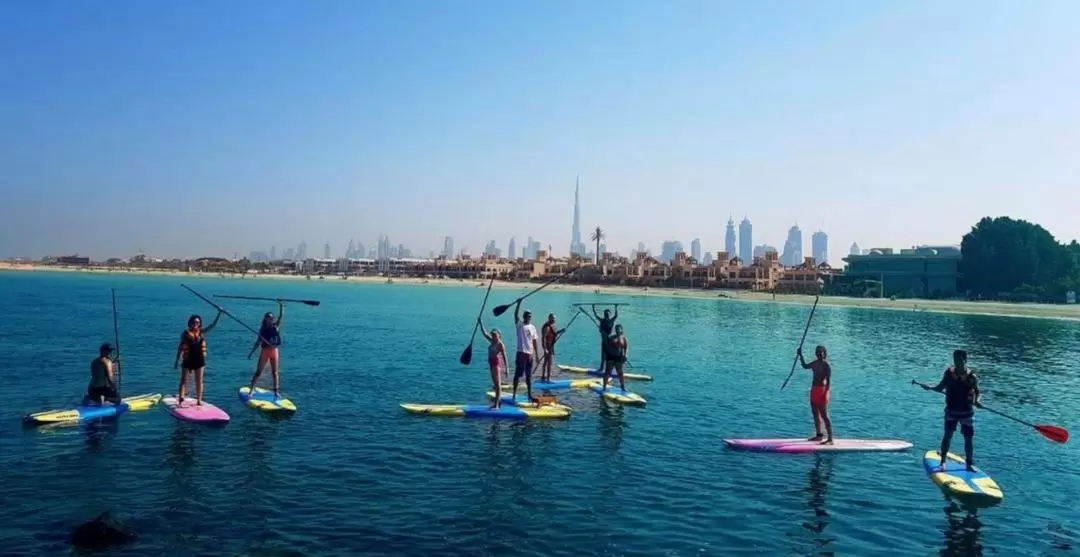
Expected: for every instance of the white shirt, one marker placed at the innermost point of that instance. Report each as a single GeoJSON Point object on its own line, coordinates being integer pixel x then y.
{"type": "Point", "coordinates": [526, 334]}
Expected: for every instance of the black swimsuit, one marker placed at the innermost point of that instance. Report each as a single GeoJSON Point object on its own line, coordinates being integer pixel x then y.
{"type": "Point", "coordinates": [194, 351]}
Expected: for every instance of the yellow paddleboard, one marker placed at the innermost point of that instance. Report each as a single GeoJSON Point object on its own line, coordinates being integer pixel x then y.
{"type": "Point", "coordinates": [142, 403]}
{"type": "Point", "coordinates": [483, 411]}
{"type": "Point", "coordinates": [955, 479]}
{"type": "Point", "coordinates": [265, 401]}
{"type": "Point", "coordinates": [600, 373]}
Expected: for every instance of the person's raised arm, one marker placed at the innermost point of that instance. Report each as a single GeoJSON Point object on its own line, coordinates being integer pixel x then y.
{"type": "Point", "coordinates": [802, 361]}
{"type": "Point", "coordinates": [517, 312]}
{"type": "Point", "coordinates": [214, 324]}
{"type": "Point", "coordinates": [597, 315]}
{"type": "Point", "coordinates": [483, 331]}
{"type": "Point", "coordinates": [616, 315]}
{"type": "Point", "coordinates": [280, 313]}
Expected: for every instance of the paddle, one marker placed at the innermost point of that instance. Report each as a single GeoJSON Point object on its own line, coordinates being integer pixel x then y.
{"type": "Point", "coordinates": [559, 335]}
{"type": "Point", "coordinates": [801, 342]}
{"type": "Point", "coordinates": [116, 340]}
{"type": "Point", "coordinates": [1054, 433]}
{"type": "Point", "coordinates": [466, 355]}
{"type": "Point", "coordinates": [597, 323]}
{"type": "Point", "coordinates": [308, 302]}
{"type": "Point", "coordinates": [226, 313]}
{"type": "Point", "coordinates": [600, 304]}
{"type": "Point", "coordinates": [499, 310]}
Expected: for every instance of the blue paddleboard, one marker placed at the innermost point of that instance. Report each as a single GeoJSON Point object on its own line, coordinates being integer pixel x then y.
{"type": "Point", "coordinates": [956, 480]}
{"type": "Point", "coordinates": [79, 414]}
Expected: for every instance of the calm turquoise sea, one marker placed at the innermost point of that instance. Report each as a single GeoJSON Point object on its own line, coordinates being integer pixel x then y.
{"type": "Point", "coordinates": [352, 474]}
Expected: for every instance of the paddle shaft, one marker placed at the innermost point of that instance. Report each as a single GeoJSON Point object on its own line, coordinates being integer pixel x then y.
{"type": "Point", "coordinates": [542, 286]}
{"type": "Point", "coordinates": [116, 339]}
{"type": "Point", "coordinates": [801, 342]}
{"type": "Point", "coordinates": [981, 407]}
{"type": "Point", "coordinates": [227, 314]}
{"type": "Point", "coordinates": [308, 302]}
{"type": "Point", "coordinates": [558, 336]}
{"type": "Point", "coordinates": [476, 326]}
{"type": "Point", "coordinates": [595, 322]}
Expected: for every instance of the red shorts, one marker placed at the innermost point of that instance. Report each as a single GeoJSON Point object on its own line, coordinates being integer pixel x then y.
{"type": "Point", "coordinates": [819, 395]}
{"type": "Point", "coordinates": [269, 352]}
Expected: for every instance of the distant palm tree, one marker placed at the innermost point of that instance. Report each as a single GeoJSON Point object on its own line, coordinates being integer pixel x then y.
{"type": "Point", "coordinates": [598, 235]}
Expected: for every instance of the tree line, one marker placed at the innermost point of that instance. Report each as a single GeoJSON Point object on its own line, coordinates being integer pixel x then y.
{"type": "Point", "coordinates": [1015, 259]}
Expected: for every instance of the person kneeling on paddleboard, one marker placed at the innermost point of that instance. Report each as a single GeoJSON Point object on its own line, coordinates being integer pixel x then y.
{"type": "Point", "coordinates": [102, 381]}
{"type": "Point", "coordinates": [496, 360]}
{"type": "Point", "coordinates": [615, 357]}
{"type": "Point", "coordinates": [961, 388]}
{"type": "Point", "coordinates": [269, 339]}
{"type": "Point", "coordinates": [819, 392]}
{"type": "Point", "coordinates": [528, 346]}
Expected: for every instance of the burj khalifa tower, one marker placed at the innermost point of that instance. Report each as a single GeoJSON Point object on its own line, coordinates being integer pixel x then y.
{"type": "Point", "coordinates": [576, 245]}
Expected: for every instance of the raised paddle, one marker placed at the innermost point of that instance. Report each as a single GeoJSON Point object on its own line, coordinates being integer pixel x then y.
{"type": "Point", "coordinates": [597, 323]}
{"type": "Point", "coordinates": [559, 335]}
{"type": "Point", "coordinates": [499, 310]}
{"type": "Point", "coordinates": [801, 342]}
{"type": "Point", "coordinates": [466, 355]}
{"type": "Point", "coordinates": [227, 314]}
{"type": "Point", "coordinates": [116, 340]}
{"type": "Point", "coordinates": [307, 302]}
{"type": "Point", "coordinates": [1054, 433]}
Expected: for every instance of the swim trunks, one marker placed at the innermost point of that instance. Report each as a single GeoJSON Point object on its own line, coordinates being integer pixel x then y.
{"type": "Point", "coordinates": [523, 366]}
{"type": "Point", "coordinates": [819, 395]}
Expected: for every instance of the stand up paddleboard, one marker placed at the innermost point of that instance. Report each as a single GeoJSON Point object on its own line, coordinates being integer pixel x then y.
{"type": "Point", "coordinates": [805, 446]}
{"type": "Point", "coordinates": [264, 400]}
{"type": "Point", "coordinates": [191, 412]}
{"type": "Point", "coordinates": [140, 403]}
{"type": "Point", "coordinates": [522, 401]}
{"type": "Point", "coordinates": [617, 395]}
{"type": "Point", "coordinates": [483, 411]}
{"type": "Point", "coordinates": [600, 373]}
{"type": "Point", "coordinates": [556, 385]}
{"type": "Point", "coordinates": [956, 480]}
{"type": "Point", "coordinates": [80, 414]}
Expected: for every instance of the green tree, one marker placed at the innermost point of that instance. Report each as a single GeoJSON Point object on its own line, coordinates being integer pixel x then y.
{"type": "Point", "coordinates": [598, 235]}
{"type": "Point", "coordinates": [1004, 255]}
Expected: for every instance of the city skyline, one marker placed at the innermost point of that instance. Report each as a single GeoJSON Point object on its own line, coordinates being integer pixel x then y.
{"type": "Point", "coordinates": [859, 118]}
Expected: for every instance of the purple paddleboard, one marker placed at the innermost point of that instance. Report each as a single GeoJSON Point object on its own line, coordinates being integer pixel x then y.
{"type": "Point", "coordinates": [804, 446]}
{"type": "Point", "coordinates": [190, 412]}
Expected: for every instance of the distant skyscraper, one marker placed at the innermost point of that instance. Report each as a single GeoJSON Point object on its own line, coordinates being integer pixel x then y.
{"type": "Point", "coordinates": [854, 249]}
{"type": "Point", "coordinates": [729, 238]}
{"type": "Point", "coordinates": [819, 247]}
{"type": "Point", "coordinates": [695, 249]}
{"type": "Point", "coordinates": [512, 248]}
{"type": "Point", "coordinates": [448, 247]}
{"type": "Point", "coordinates": [792, 255]}
{"type": "Point", "coordinates": [350, 251]}
{"type": "Point", "coordinates": [708, 259]}
{"type": "Point", "coordinates": [361, 252]}
{"type": "Point", "coordinates": [746, 241]}
{"type": "Point", "coordinates": [273, 253]}
{"type": "Point", "coordinates": [760, 251]}
{"type": "Point", "coordinates": [576, 245]}
{"type": "Point", "coordinates": [326, 250]}
{"type": "Point", "coordinates": [669, 249]}
{"type": "Point", "coordinates": [301, 251]}
{"type": "Point", "coordinates": [641, 247]}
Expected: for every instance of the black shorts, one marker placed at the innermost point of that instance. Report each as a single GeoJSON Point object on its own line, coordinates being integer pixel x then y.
{"type": "Point", "coordinates": [96, 393]}
{"type": "Point", "coordinates": [523, 364]}
{"type": "Point", "coordinates": [193, 363]}
{"type": "Point", "coordinates": [966, 421]}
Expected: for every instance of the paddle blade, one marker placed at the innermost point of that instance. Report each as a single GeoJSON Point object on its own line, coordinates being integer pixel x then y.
{"type": "Point", "coordinates": [499, 310]}
{"type": "Point", "coordinates": [466, 356]}
{"type": "Point", "coordinates": [1053, 433]}
{"type": "Point", "coordinates": [311, 302]}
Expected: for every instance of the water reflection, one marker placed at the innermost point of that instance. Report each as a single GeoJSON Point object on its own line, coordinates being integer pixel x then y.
{"type": "Point", "coordinates": [258, 450]}
{"type": "Point", "coordinates": [180, 459]}
{"type": "Point", "coordinates": [99, 433]}
{"type": "Point", "coordinates": [817, 488]}
{"type": "Point", "coordinates": [963, 532]}
{"type": "Point", "coordinates": [610, 425]}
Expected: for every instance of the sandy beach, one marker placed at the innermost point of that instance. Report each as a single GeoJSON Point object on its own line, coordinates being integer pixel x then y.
{"type": "Point", "coordinates": [1042, 311]}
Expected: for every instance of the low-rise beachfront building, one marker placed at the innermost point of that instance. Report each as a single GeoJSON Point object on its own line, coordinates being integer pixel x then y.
{"type": "Point", "coordinates": [919, 272]}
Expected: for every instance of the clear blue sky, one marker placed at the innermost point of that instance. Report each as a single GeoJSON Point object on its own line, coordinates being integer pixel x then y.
{"type": "Point", "coordinates": [208, 128]}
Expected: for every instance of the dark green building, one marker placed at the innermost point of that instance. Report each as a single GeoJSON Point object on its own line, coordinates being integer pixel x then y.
{"type": "Point", "coordinates": [922, 272]}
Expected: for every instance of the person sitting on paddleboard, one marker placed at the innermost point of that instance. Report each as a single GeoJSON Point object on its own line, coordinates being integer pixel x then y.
{"type": "Point", "coordinates": [191, 356]}
{"type": "Point", "coordinates": [607, 325]}
{"type": "Point", "coordinates": [528, 346]}
{"type": "Point", "coordinates": [102, 380]}
{"type": "Point", "coordinates": [819, 392]}
{"type": "Point", "coordinates": [496, 360]}
{"type": "Point", "coordinates": [615, 357]}
{"type": "Point", "coordinates": [961, 388]}
{"type": "Point", "coordinates": [269, 340]}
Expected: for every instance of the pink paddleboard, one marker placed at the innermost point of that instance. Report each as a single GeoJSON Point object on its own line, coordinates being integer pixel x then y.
{"type": "Point", "coordinates": [190, 412]}
{"type": "Point", "coordinates": [804, 446]}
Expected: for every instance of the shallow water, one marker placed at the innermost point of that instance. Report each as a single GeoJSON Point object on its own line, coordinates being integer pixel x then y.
{"type": "Point", "coordinates": [351, 473]}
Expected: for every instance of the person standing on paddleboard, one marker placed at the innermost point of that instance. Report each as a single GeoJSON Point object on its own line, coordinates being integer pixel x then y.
{"type": "Point", "coordinates": [269, 340]}
{"type": "Point", "coordinates": [528, 346]}
{"type": "Point", "coordinates": [549, 336]}
{"type": "Point", "coordinates": [820, 387]}
{"type": "Point", "coordinates": [102, 379]}
{"type": "Point", "coordinates": [191, 356]}
{"type": "Point", "coordinates": [961, 388]}
{"type": "Point", "coordinates": [607, 325]}
{"type": "Point", "coordinates": [615, 349]}
{"type": "Point", "coordinates": [496, 360]}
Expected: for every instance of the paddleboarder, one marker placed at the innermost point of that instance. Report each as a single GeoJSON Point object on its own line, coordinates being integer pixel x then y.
{"type": "Point", "coordinates": [528, 346]}
{"type": "Point", "coordinates": [961, 388]}
{"type": "Point", "coordinates": [496, 360]}
{"type": "Point", "coordinates": [615, 349]}
{"type": "Point", "coordinates": [819, 392]}
{"type": "Point", "coordinates": [549, 335]}
{"type": "Point", "coordinates": [191, 353]}
{"type": "Point", "coordinates": [269, 340]}
{"type": "Point", "coordinates": [102, 377]}
{"type": "Point", "coordinates": [607, 325]}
